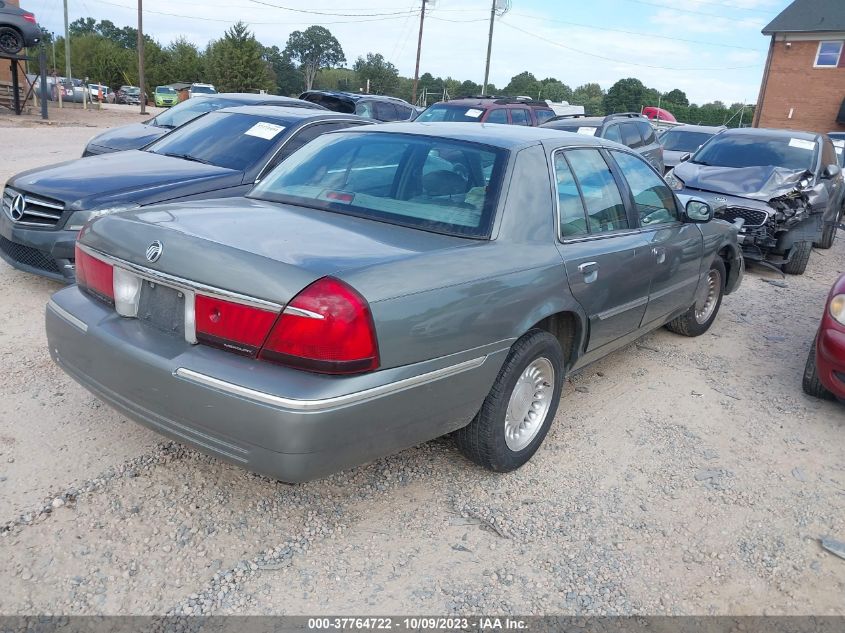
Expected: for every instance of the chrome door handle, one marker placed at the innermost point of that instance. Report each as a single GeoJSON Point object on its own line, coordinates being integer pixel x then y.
{"type": "Point", "coordinates": [588, 267]}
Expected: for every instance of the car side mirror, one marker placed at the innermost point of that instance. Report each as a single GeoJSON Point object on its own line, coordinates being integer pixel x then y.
{"type": "Point", "coordinates": [698, 212]}
{"type": "Point", "coordinates": [831, 171]}
{"type": "Point", "coordinates": [685, 157]}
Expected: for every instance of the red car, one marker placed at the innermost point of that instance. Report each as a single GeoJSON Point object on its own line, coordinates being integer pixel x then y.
{"type": "Point", "coordinates": [824, 376]}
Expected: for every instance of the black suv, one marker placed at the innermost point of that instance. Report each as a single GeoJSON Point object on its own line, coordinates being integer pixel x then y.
{"type": "Point", "coordinates": [487, 109]}
{"type": "Point", "coordinates": [18, 29]}
{"type": "Point", "coordinates": [378, 107]}
{"type": "Point", "coordinates": [629, 128]}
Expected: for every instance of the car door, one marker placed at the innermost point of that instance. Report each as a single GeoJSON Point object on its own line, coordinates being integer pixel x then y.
{"type": "Point", "coordinates": [520, 116]}
{"type": "Point", "coordinates": [836, 184]}
{"type": "Point", "coordinates": [675, 248]}
{"type": "Point", "coordinates": [606, 258]}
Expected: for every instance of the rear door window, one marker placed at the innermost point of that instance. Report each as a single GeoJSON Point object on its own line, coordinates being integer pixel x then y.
{"type": "Point", "coordinates": [365, 109]}
{"type": "Point", "coordinates": [385, 111]}
{"type": "Point", "coordinates": [602, 199]}
{"type": "Point", "coordinates": [631, 135]}
{"type": "Point", "coordinates": [520, 116]}
{"type": "Point", "coordinates": [647, 132]}
{"type": "Point", "coordinates": [612, 134]}
{"type": "Point", "coordinates": [543, 115]}
{"type": "Point", "coordinates": [499, 115]}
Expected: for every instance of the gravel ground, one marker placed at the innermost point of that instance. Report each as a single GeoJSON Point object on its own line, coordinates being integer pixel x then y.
{"type": "Point", "coordinates": [682, 476]}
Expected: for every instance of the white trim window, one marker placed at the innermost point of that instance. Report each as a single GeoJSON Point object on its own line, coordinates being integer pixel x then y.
{"type": "Point", "coordinates": [828, 54]}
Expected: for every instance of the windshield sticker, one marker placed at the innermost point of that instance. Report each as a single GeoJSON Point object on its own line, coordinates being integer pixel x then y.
{"type": "Point", "coordinates": [474, 113]}
{"type": "Point", "coordinates": [800, 143]}
{"type": "Point", "coordinates": [264, 130]}
{"type": "Point", "coordinates": [587, 131]}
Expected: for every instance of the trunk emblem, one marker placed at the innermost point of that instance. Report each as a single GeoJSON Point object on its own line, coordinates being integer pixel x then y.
{"type": "Point", "coordinates": [18, 208]}
{"type": "Point", "coordinates": [720, 199]}
{"type": "Point", "coordinates": [154, 251]}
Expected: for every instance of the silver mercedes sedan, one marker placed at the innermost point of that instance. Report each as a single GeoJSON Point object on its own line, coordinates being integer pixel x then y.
{"type": "Point", "coordinates": [385, 286]}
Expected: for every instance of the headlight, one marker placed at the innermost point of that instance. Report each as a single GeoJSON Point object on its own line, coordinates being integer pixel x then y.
{"type": "Point", "coordinates": [837, 308]}
{"type": "Point", "coordinates": [78, 219]}
{"type": "Point", "coordinates": [673, 181]}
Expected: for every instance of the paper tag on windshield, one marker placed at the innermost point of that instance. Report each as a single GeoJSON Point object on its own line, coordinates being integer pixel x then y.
{"type": "Point", "coordinates": [587, 131]}
{"type": "Point", "coordinates": [264, 130]}
{"type": "Point", "coordinates": [802, 144]}
{"type": "Point", "coordinates": [474, 113]}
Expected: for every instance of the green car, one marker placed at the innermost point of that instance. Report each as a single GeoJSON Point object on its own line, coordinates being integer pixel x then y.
{"type": "Point", "coordinates": [165, 96]}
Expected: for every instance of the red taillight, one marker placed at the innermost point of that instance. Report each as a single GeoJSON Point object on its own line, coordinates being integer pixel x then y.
{"type": "Point", "coordinates": [29, 17]}
{"type": "Point", "coordinates": [94, 275]}
{"type": "Point", "coordinates": [232, 326]}
{"type": "Point", "coordinates": [327, 328]}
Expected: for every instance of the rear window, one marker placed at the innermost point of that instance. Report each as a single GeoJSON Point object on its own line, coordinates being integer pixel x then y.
{"type": "Point", "coordinates": [747, 150]}
{"type": "Point", "coordinates": [438, 185]}
{"type": "Point", "coordinates": [586, 130]}
{"type": "Point", "coordinates": [682, 141]}
{"type": "Point", "coordinates": [451, 113]}
{"type": "Point", "coordinates": [225, 139]}
{"type": "Point", "coordinates": [543, 115]}
{"type": "Point", "coordinates": [189, 110]}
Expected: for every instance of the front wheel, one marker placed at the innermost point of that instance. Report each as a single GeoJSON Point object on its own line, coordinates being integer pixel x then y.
{"type": "Point", "coordinates": [11, 41]}
{"type": "Point", "coordinates": [698, 319]}
{"type": "Point", "coordinates": [828, 236]}
{"type": "Point", "coordinates": [518, 411]}
{"type": "Point", "coordinates": [799, 256]}
{"type": "Point", "coordinates": [811, 383]}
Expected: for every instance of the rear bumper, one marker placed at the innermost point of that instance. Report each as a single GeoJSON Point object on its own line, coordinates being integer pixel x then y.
{"type": "Point", "coordinates": [44, 252]}
{"type": "Point", "coordinates": [830, 361]}
{"type": "Point", "coordinates": [288, 424]}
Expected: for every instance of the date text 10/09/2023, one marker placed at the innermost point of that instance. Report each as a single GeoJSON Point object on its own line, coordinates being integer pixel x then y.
{"type": "Point", "coordinates": [416, 624]}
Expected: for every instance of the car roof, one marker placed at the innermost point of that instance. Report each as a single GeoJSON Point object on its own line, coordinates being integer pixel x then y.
{"type": "Point", "coordinates": [689, 127]}
{"type": "Point", "coordinates": [289, 116]}
{"type": "Point", "coordinates": [577, 121]}
{"type": "Point", "coordinates": [251, 97]}
{"type": "Point", "coordinates": [486, 102]}
{"type": "Point", "coordinates": [351, 96]}
{"type": "Point", "coordinates": [770, 133]}
{"type": "Point", "coordinates": [496, 135]}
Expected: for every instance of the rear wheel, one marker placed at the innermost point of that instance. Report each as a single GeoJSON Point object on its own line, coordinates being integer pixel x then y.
{"type": "Point", "coordinates": [828, 236]}
{"type": "Point", "coordinates": [811, 383]}
{"type": "Point", "coordinates": [11, 41]}
{"type": "Point", "coordinates": [799, 256]}
{"type": "Point", "coordinates": [518, 411]}
{"type": "Point", "coordinates": [698, 319]}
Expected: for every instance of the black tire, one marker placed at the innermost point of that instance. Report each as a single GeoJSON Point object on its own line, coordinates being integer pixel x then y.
{"type": "Point", "coordinates": [799, 256]}
{"type": "Point", "coordinates": [828, 236]}
{"type": "Point", "coordinates": [811, 383]}
{"type": "Point", "coordinates": [484, 439]}
{"type": "Point", "coordinates": [688, 324]}
{"type": "Point", "coordinates": [11, 40]}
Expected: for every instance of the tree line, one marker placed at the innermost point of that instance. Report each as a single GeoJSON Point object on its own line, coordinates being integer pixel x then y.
{"type": "Point", "coordinates": [313, 58]}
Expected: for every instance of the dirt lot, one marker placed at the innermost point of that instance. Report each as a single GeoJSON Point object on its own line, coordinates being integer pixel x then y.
{"type": "Point", "coordinates": [682, 476]}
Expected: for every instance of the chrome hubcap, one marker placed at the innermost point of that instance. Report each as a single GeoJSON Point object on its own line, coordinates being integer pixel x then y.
{"type": "Point", "coordinates": [529, 404]}
{"type": "Point", "coordinates": [705, 303]}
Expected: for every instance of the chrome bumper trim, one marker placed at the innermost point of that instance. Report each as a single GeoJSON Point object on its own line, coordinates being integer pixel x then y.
{"type": "Point", "coordinates": [67, 316]}
{"type": "Point", "coordinates": [327, 403]}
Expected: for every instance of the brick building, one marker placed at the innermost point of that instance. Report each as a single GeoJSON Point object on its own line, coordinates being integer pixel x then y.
{"type": "Point", "coordinates": [803, 84]}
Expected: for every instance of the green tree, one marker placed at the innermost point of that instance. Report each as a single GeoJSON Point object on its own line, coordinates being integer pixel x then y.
{"type": "Point", "coordinates": [285, 74]}
{"type": "Point", "coordinates": [313, 49]}
{"type": "Point", "coordinates": [591, 96]}
{"type": "Point", "coordinates": [186, 61]}
{"type": "Point", "coordinates": [523, 84]}
{"type": "Point", "coordinates": [236, 62]}
{"type": "Point", "coordinates": [83, 26]}
{"type": "Point", "coordinates": [382, 75]}
{"type": "Point", "coordinates": [677, 97]}
{"type": "Point", "coordinates": [468, 89]}
{"type": "Point", "coordinates": [627, 95]}
{"type": "Point", "coordinates": [555, 90]}
{"type": "Point", "coordinates": [343, 79]}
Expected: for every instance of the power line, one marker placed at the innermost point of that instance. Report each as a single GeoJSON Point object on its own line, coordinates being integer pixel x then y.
{"type": "Point", "coordinates": [669, 8]}
{"type": "Point", "coordinates": [649, 35]}
{"type": "Point", "coordinates": [329, 13]}
{"type": "Point", "coordinates": [252, 22]}
{"type": "Point", "coordinates": [618, 61]}
{"type": "Point", "coordinates": [728, 6]}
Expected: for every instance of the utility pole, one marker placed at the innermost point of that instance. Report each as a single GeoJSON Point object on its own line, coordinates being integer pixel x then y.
{"type": "Point", "coordinates": [489, 49]}
{"type": "Point", "coordinates": [67, 45]}
{"type": "Point", "coordinates": [141, 85]}
{"type": "Point", "coordinates": [419, 50]}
